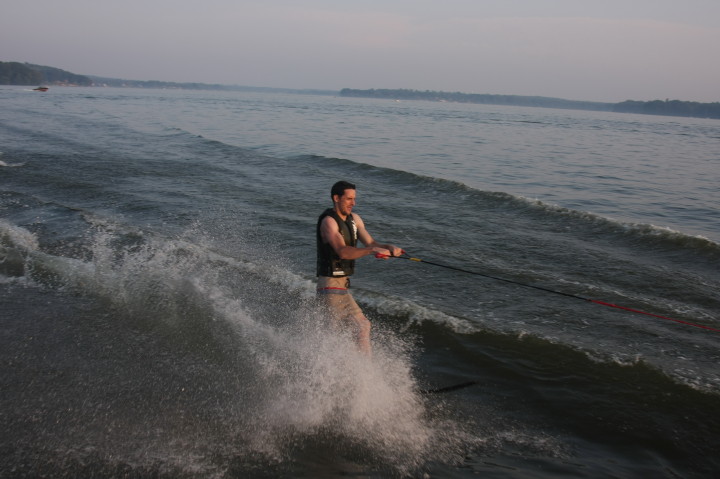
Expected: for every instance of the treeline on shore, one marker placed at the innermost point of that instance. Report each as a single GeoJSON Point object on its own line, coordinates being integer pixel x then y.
{"type": "Point", "coordinates": [656, 107]}
{"type": "Point", "coordinates": [15, 73]}
{"type": "Point", "coordinates": [487, 99]}
{"type": "Point", "coordinates": [670, 108]}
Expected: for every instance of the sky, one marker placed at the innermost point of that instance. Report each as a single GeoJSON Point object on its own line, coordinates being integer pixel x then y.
{"type": "Point", "coordinates": [595, 50]}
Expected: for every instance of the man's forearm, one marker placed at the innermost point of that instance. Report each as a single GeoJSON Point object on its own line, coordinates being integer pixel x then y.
{"type": "Point", "coordinates": [353, 252]}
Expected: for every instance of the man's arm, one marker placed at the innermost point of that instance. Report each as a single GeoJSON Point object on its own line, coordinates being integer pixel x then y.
{"type": "Point", "coordinates": [331, 235]}
{"type": "Point", "coordinates": [367, 240]}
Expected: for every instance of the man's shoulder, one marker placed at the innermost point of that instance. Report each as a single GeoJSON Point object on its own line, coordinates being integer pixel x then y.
{"type": "Point", "coordinates": [328, 220]}
{"type": "Point", "coordinates": [328, 213]}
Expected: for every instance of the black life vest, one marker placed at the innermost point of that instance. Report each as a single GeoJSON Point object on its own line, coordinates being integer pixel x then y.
{"type": "Point", "coordinates": [328, 262]}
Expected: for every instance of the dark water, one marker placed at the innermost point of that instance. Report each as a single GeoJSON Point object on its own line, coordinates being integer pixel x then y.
{"type": "Point", "coordinates": [156, 289]}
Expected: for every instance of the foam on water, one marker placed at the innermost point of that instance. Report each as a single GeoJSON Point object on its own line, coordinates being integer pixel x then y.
{"type": "Point", "coordinates": [16, 236]}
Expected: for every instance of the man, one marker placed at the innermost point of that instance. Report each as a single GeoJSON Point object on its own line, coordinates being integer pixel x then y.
{"type": "Point", "coordinates": [338, 231]}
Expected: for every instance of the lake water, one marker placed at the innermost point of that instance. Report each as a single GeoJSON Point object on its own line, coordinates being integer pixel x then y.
{"type": "Point", "coordinates": [157, 298]}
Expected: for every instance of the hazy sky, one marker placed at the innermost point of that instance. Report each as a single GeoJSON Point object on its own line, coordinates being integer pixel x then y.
{"type": "Point", "coordinates": [603, 50]}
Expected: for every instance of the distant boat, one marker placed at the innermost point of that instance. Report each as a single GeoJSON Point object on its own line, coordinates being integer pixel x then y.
{"type": "Point", "coordinates": [41, 88]}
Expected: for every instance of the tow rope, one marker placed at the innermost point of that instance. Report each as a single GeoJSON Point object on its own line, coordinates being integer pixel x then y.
{"type": "Point", "coordinates": [602, 303]}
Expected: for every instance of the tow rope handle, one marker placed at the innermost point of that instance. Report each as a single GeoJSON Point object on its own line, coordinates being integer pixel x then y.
{"type": "Point", "coordinates": [402, 255]}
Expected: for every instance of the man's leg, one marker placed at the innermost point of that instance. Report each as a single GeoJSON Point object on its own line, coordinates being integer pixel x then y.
{"type": "Point", "coordinates": [345, 313]}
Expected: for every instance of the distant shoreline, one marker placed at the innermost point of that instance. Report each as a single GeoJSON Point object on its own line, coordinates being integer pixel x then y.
{"type": "Point", "coordinates": [26, 74]}
{"type": "Point", "coordinates": [656, 107]}
{"type": "Point", "coordinates": [101, 82]}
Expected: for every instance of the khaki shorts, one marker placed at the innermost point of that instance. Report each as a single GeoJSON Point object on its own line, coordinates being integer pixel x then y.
{"type": "Point", "coordinates": [334, 294]}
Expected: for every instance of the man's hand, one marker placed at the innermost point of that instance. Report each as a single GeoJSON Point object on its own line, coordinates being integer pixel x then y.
{"type": "Point", "coordinates": [387, 251]}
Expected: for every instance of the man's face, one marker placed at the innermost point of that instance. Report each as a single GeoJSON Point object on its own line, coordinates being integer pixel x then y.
{"type": "Point", "coordinates": [345, 203]}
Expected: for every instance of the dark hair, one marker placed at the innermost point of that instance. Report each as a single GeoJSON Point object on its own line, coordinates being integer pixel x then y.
{"type": "Point", "coordinates": [340, 187]}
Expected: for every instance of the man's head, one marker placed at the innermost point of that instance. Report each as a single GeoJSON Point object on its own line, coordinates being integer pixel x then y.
{"type": "Point", "coordinates": [339, 188]}
{"type": "Point", "coordinates": [343, 196]}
